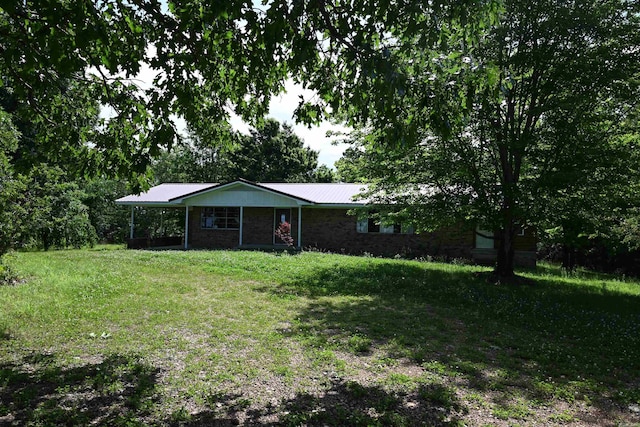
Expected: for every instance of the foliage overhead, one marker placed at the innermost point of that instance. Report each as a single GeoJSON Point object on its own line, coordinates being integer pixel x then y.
{"type": "Point", "coordinates": [497, 124]}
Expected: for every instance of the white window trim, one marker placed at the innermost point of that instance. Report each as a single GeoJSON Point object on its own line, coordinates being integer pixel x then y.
{"type": "Point", "coordinates": [212, 219]}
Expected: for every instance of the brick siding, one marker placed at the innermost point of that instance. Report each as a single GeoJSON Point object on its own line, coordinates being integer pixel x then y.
{"type": "Point", "coordinates": [257, 226]}
{"type": "Point", "coordinates": [336, 231]}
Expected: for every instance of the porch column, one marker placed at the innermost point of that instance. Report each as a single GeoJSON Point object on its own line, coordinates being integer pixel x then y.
{"type": "Point", "coordinates": [241, 221]}
{"type": "Point", "coordinates": [299, 226]}
{"type": "Point", "coordinates": [186, 227]}
{"type": "Point", "coordinates": [131, 224]}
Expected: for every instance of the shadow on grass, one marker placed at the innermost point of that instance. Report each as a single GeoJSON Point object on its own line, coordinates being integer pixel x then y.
{"type": "Point", "coordinates": [342, 403]}
{"type": "Point", "coordinates": [546, 342]}
{"type": "Point", "coordinates": [34, 391]}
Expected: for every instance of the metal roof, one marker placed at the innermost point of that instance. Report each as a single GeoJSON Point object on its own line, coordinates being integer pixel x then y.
{"type": "Point", "coordinates": [164, 193]}
{"type": "Point", "coordinates": [333, 193]}
{"type": "Point", "coordinates": [319, 193]}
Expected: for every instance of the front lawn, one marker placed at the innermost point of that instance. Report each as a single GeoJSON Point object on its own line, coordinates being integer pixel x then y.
{"type": "Point", "coordinates": [117, 337]}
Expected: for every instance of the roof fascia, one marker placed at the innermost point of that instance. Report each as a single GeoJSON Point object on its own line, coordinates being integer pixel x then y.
{"type": "Point", "coordinates": [241, 182]}
{"type": "Point", "coordinates": [151, 204]}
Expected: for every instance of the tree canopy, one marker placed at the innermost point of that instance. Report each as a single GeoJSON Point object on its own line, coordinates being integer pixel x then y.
{"type": "Point", "coordinates": [499, 123]}
{"type": "Point", "coordinates": [270, 153]}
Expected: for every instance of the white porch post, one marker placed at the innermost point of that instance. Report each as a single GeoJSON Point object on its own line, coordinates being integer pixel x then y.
{"type": "Point", "coordinates": [131, 224]}
{"type": "Point", "coordinates": [241, 221]}
{"type": "Point", "coordinates": [186, 227]}
{"type": "Point", "coordinates": [299, 226]}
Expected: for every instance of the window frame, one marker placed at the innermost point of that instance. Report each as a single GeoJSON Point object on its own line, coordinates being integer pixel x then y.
{"type": "Point", "coordinates": [220, 218]}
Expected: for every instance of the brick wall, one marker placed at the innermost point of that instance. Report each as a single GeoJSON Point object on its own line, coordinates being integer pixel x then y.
{"type": "Point", "coordinates": [257, 226]}
{"type": "Point", "coordinates": [334, 230]}
{"type": "Point", "coordinates": [528, 242]}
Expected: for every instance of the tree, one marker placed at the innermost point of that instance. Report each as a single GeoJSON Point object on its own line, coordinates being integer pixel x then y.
{"type": "Point", "coordinates": [110, 221]}
{"type": "Point", "coordinates": [11, 187]}
{"type": "Point", "coordinates": [323, 174]}
{"type": "Point", "coordinates": [270, 153]}
{"type": "Point", "coordinates": [481, 113]}
{"type": "Point", "coordinates": [273, 153]}
{"type": "Point", "coordinates": [55, 215]}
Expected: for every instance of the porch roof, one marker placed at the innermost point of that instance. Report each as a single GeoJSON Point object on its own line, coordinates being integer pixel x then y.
{"type": "Point", "coordinates": [178, 194]}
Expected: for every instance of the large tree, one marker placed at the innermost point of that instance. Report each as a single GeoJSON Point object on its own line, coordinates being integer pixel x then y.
{"type": "Point", "coordinates": [482, 113]}
{"type": "Point", "coordinates": [271, 152]}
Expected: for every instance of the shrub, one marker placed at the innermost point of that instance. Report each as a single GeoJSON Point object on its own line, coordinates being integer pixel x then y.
{"type": "Point", "coordinates": [283, 232]}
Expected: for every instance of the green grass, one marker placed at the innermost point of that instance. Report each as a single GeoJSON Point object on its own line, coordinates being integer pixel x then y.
{"type": "Point", "coordinates": [116, 337]}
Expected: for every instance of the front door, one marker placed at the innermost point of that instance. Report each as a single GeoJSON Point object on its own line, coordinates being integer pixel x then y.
{"type": "Point", "coordinates": [281, 216]}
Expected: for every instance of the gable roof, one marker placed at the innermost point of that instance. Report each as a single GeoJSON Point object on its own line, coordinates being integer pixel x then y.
{"type": "Point", "coordinates": [310, 193]}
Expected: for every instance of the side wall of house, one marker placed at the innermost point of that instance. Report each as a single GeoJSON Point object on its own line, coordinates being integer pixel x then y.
{"type": "Point", "coordinates": [336, 231]}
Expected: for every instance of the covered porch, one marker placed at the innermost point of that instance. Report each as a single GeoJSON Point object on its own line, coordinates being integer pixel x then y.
{"type": "Point", "coordinates": [239, 214]}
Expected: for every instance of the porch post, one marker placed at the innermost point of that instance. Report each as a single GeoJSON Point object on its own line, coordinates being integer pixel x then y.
{"type": "Point", "coordinates": [186, 227]}
{"type": "Point", "coordinates": [131, 224]}
{"type": "Point", "coordinates": [241, 221]}
{"type": "Point", "coordinates": [299, 227]}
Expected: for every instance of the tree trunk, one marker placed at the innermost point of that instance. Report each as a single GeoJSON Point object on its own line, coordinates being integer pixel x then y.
{"type": "Point", "coordinates": [568, 258]}
{"type": "Point", "coordinates": [506, 252]}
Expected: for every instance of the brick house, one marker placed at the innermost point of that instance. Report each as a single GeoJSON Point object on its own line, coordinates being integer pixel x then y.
{"type": "Point", "coordinates": [244, 214]}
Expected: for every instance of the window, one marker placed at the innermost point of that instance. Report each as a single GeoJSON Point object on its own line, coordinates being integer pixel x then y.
{"type": "Point", "coordinates": [220, 218]}
{"type": "Point", "coordinates": [369, 225]}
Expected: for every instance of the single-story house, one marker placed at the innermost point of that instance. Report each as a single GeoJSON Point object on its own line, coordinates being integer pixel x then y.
{"type": "Point", "coordinates": [244, 214]}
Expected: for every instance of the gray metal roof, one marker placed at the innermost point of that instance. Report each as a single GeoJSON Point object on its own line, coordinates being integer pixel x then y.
{"type": "Point", "coordinates": [320, 193]}
{"type": "Point", "coordinates": [334, 193]}
{"type": "Point", "coordinates": [163, 193]}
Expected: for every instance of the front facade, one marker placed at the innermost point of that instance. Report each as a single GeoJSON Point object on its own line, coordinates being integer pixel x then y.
{"type": "Point", "coordinates": [242, 214]}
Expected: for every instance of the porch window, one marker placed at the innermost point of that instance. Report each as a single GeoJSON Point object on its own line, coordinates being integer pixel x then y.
{"type": "Point", "coordinates": [220, 218]}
